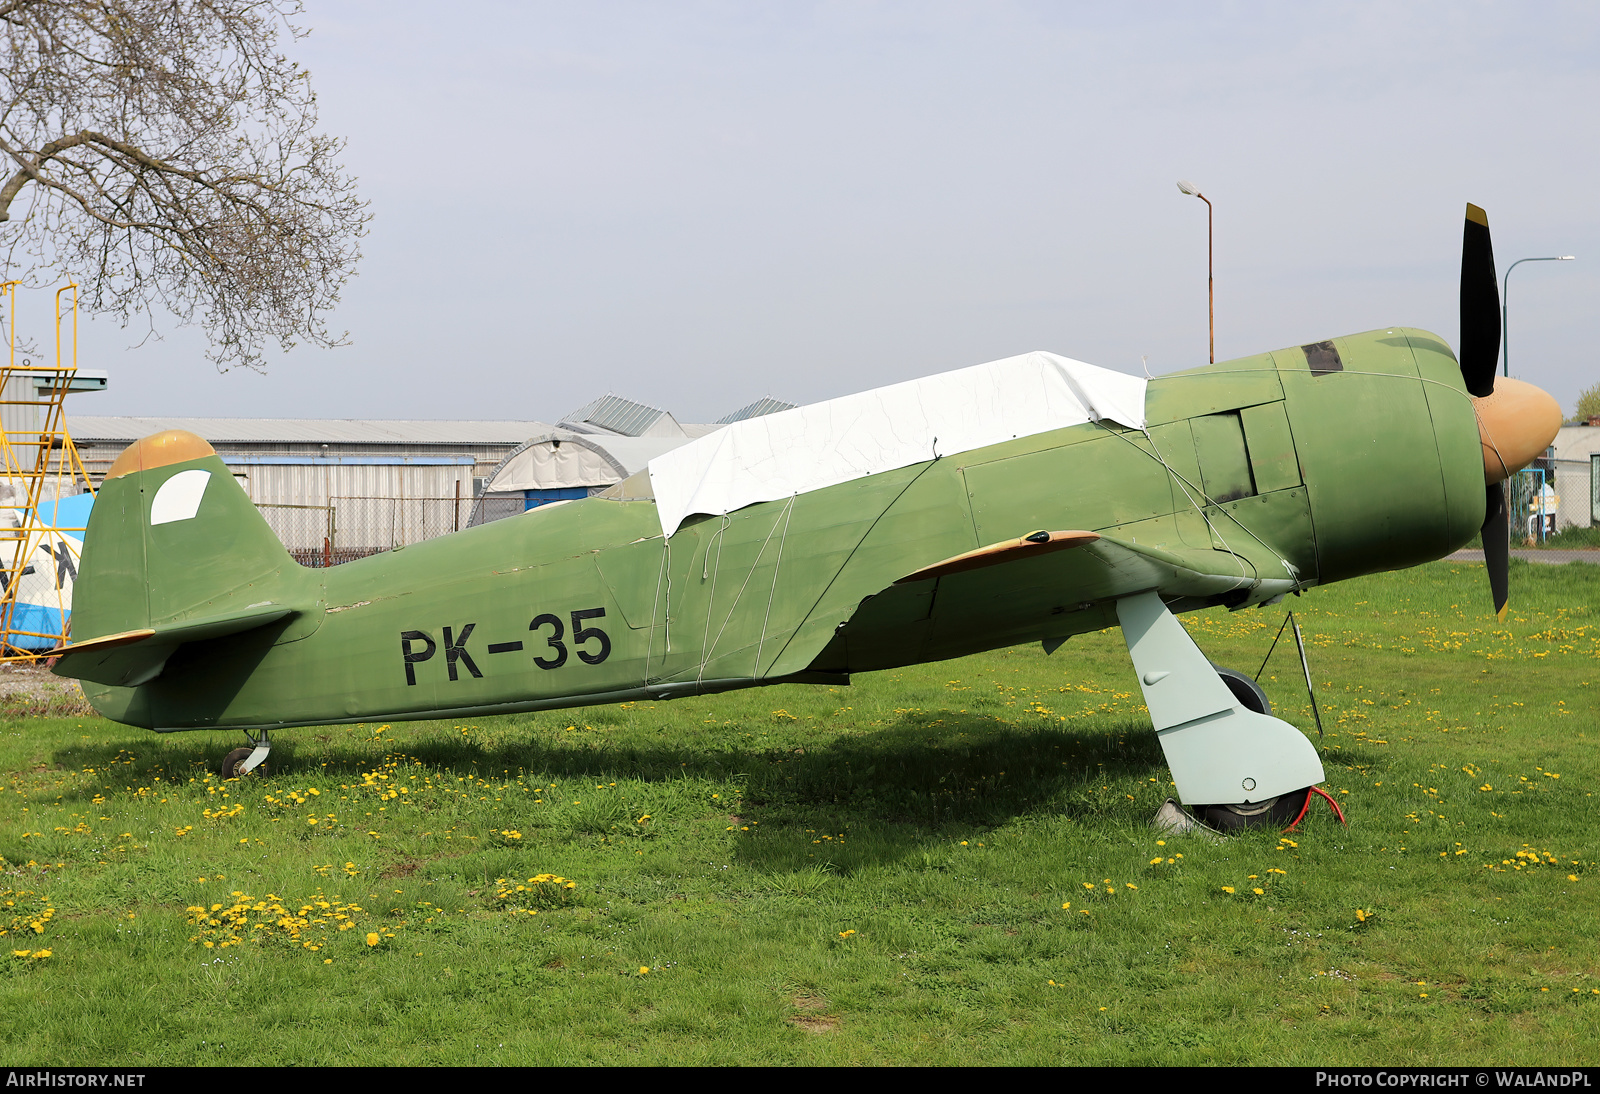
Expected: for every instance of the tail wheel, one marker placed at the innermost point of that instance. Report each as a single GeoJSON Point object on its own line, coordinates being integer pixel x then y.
{"type": "Point", "coordinates": [233, 764]}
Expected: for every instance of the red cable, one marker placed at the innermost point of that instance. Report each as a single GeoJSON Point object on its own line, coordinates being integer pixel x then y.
{"type": "Point", "coordinates": [1307, 806]}
{"type": "Point", "coordinates": [1332, 805]}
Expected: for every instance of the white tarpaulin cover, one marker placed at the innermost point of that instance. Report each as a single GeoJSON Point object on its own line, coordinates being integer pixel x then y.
{"type": "Point", "coordinates": [810, 447]}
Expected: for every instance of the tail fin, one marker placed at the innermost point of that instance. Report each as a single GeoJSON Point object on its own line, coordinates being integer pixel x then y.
{"type": "Point", "coordinates": [175, 552]}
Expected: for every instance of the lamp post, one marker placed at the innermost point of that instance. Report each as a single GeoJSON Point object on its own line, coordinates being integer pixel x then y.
{"type": "Point", "coordinates": [1505, 302]}
{"type": "Point", "coordinates": [1211, 295]}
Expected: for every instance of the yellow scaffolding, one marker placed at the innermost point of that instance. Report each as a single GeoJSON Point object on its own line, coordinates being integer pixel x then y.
{"type": "Point", "coordinates": [38, 551]}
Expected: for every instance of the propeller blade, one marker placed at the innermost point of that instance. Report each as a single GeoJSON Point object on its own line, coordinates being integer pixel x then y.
{"type": "Point", "coordinates": [1496, 534]}
{"type": "Point", "coordinates": [1480, 305]}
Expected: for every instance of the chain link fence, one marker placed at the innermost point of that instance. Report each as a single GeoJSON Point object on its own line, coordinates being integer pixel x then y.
{"type": "Point", "coordinates": [1533, 505]}
{"type": "Point", "coordinates": [350, 528]}
{"type": "Point", "coordinates": [1575, 499]}
{"type": "Point", "coordinates": [1544, 501]}
{"type": "Point", "coordinates": [489, 507]}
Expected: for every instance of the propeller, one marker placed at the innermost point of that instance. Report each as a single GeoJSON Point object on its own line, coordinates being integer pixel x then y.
{"type": "Point", "coordinates": [1516, 421]}
{"type": "Point", "coordinates": [1480, 345]}
{"type": "Point", "coordinates": [1480, 305]}
{"type": "Point", "coordinates": [1496, 532]}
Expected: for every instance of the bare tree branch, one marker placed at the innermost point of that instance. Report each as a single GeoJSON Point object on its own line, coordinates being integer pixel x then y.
{"type": "Point", "coordinates": [164, 153]}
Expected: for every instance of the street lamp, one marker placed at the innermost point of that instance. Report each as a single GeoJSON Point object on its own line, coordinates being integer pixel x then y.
{"type": "Point", "coordinates": [1505, 301]}
{"type": "Point", "coordinates": [1211, 296]}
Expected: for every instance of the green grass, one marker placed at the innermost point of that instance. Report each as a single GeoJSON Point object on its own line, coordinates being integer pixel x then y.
{"type": "Point", "coordinates": [872, 874]}
{"type": "Point", "coordinates": [1569, 538]}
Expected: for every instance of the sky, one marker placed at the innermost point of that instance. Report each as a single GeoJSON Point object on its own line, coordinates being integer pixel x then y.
{"type": "Point", "coordinates": [697, 204]}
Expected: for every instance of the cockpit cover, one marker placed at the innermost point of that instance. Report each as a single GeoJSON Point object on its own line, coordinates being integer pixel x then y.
{"type": "Point", "coordinates": [810, 447]}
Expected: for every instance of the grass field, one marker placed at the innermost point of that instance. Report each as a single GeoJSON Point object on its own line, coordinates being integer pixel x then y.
{"type": "Point", "coordinates": [946, 865]}
{"type": "Point", "coordinates": [1572, 536]}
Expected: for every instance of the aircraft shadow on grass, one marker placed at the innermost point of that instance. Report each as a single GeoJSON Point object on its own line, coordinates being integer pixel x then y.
{"type": "Point", "coordinates": [895, 792]}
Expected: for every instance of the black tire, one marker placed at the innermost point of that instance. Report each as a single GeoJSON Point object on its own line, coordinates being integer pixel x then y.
{"type": "Point", "coordinates": [1246, 690]}
{"type": "Point", "coordinates": [232, 762]}
{"type": "Point", "coordinates": [1276, 812]}
{"type": "Point", "coordinates": [1279, 812]}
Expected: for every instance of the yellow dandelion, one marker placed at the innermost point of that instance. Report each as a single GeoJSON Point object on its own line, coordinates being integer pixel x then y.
{"type": "Point", "coordinates": [372, 938]}
{"type": "Point", "coordinates": [1228, 889]}
{"type": "Point", "coordinates": [1259, 892]}
{"type": "Point", "coordinates": [644, 969]}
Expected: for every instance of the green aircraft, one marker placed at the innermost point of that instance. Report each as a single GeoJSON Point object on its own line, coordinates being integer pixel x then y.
{"type": "Point", "coordinates": [1027, 500]}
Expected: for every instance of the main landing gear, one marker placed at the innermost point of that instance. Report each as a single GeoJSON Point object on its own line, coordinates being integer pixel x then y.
{"type": "Point", "coordinates": [248, 761]}
{"type": "Point", "coordinates": [1235, 765]}
{"type": "Point", "coordinates": [1283, 811]}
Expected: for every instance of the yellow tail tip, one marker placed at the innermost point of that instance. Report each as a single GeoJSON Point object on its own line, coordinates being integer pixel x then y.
{"type": "Point", "coordinates": [159, 450]}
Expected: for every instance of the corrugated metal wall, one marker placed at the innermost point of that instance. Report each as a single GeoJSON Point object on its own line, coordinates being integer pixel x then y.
{"type": "Point", "coordinates": [20, 419]}
{"type": "Point", "coordinates": [375, 505]}
{"type": "Point", "coordinates": [316, 483]}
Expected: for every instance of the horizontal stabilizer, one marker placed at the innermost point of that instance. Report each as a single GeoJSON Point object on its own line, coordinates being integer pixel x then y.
{"type": "Point", "coordinates": [131, 658]}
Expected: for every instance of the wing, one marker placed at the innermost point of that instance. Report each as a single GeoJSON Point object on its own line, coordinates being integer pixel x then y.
{"type": "Point", "coordinates": [1043, 587]}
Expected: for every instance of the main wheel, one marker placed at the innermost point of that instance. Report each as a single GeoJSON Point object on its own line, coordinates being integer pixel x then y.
{"type": "Point", "coordinates": [233, 763]}
{"type": "Point", "coordinates": [1245, 690]}
{"type": "Point", "coordinates": [1279, 812]}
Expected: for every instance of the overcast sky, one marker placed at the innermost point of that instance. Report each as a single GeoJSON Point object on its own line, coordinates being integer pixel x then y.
{"type": "Point", "coordinates": [696, 204]}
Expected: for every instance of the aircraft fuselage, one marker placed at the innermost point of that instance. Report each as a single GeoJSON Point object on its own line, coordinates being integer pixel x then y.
{"type": "Point", "coordinates": [1277, 472]}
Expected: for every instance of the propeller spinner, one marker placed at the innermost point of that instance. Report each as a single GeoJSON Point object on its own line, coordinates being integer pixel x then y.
{"type": "Point", "coordinates": [1516, 421]}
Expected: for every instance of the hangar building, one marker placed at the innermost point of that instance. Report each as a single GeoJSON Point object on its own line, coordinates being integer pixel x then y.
{"type": "Point", "coordinates": [337, 489]}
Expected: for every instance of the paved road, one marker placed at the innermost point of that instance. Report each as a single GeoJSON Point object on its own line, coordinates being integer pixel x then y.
{"type": "Point", "coordinates": [1551, 557]}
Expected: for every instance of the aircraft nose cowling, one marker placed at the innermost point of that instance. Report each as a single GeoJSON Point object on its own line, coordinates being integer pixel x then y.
{"type": "Point", "coordinates": [1516, 423]}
